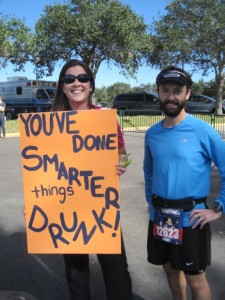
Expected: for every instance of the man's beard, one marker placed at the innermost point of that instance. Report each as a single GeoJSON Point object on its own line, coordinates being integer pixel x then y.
{"type": "Point", "coordinates": [172, 112]}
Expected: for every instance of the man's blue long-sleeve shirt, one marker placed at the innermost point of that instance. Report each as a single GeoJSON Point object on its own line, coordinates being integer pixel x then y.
{"type": "Point", "coordinates": [177, 161]}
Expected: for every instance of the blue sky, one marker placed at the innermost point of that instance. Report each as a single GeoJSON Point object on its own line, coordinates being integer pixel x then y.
{"type": "Point", "coordinates": [30, 11]}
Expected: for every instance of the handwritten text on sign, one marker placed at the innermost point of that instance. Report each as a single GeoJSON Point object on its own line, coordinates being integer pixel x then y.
{"type": "Point", "coordinates": [71, 188]}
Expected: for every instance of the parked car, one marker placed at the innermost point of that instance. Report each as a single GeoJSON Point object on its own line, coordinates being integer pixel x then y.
{"type": "Point", "coordinates": [139, 102]}
{"type": "Point", "coordinates": [202, 104]}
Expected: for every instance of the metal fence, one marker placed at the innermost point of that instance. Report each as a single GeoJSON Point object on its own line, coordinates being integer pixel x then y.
{"type": "Point", "coordinates": [140, 121]}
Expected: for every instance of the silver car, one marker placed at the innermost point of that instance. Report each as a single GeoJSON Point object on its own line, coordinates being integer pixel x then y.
{"type": "Point", "coordinates": [201, 104]}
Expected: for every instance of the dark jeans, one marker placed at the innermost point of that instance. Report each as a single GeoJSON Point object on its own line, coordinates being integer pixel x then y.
{"type": "Point", "coordinates": [115, 273]}
{"type": "Point", "coordinates": [2, 125]}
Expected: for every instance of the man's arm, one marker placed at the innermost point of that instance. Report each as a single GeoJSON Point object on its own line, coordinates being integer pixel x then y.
{"type": "Point", "coordinates": [2, 109]}
{"type": "Point", "coordinates": [148, 170]}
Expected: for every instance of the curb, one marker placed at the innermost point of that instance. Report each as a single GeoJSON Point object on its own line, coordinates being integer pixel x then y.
{"type": "Point", "coordinates": [16, 134]}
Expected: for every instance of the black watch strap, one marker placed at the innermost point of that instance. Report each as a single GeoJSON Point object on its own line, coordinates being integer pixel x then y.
{"type": "Point", "coordinates": [217, 206]}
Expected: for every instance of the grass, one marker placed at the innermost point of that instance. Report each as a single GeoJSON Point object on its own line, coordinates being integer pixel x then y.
{"type": "Point", "coordinates": [138, 121]}
{"type": "Point", "coordinates": [135, 122]}
{"type": "Point", "coordinates": [12, 126]}
{"type": "Point", "coordinates": [141, 122]}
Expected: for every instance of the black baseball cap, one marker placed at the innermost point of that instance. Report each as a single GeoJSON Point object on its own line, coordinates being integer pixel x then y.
{"type": "Point", "coordinates": [174, 75]}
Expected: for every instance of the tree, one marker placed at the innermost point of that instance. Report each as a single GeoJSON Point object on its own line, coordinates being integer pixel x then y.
{"type": "Point", "coordinates": [210, 89]}
{"type": "Point", "coordinates": [101, 95]}
{"type": "Point", "coordinates": [15, 42]}
{"type": "Point", "coordinates": [148, 87]}
{"type": "Point", "coordinates": [118, 88]}
{"type": "Point", "coordinates": [192, 32]}
{"type": "Point", "coordinates": [198, 88]}
{"type": "Point", "coordinates": [91, 30]}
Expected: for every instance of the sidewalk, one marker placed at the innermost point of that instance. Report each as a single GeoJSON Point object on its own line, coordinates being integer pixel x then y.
{"type": "Point", "coordinates": [41, 277]}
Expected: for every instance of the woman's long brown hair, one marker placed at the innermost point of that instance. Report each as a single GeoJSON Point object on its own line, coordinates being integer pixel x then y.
{"type": "Point", "coordinates": [61, 102]}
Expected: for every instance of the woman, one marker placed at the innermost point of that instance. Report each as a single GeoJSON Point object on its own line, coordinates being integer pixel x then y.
{"type": "Point", "coordinates": [74, 92]}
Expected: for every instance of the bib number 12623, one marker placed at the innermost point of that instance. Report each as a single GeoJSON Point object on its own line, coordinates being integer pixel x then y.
{"type": "Point", "coordinates": [168, 225]}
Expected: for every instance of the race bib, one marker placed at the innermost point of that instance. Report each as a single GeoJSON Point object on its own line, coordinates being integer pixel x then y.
{"type": "Point", "coordinates": [168, 225]}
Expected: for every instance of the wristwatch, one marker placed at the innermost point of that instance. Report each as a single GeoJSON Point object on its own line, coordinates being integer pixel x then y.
{"type": "Point", "coordinates": [217, 206]}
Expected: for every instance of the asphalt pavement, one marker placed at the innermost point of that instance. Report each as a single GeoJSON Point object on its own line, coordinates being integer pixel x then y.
{"type": "Point", "coordinates": [41, 277]}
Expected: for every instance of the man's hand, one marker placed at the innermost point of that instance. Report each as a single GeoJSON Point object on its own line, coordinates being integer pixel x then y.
{"type": "Point", "coordinates": [203, 216]}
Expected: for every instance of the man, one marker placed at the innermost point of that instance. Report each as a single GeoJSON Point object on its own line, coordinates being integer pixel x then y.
{"type": "Point", "coordinates": [2, 117]}
{"type": "Point", "coordinates": [177, 163]}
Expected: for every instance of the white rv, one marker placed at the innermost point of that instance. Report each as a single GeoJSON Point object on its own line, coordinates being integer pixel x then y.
{"type": "Point", "coordinates": [22, 95]}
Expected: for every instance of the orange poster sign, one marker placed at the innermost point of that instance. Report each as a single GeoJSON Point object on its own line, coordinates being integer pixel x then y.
{"type": "Point", "coordinates": [71, 188]}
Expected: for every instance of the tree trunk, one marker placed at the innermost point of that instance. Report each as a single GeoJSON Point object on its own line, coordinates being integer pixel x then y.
{"type": "Point", "coordinates": [219, 84]}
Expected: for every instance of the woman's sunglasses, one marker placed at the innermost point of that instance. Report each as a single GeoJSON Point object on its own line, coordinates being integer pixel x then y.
{"type": "Point", "coordinates": [83, 78]}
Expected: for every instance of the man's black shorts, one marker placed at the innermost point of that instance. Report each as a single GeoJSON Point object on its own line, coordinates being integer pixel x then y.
{"type": "Point", "coordinates": [192, 256]}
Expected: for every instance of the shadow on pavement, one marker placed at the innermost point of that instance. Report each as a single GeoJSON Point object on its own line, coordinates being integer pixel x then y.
{"type": "Point", "coordinates": [38, 277]}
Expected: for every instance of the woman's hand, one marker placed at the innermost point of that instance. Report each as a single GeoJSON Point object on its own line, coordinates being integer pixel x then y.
{"type": "Point", "coordinates": [119, 169]}
{"type": "Point", "coordinates": [124, 162]}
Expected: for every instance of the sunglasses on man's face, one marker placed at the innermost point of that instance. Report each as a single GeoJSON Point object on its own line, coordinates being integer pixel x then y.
{"type": "Point", "coordinates": [83, 78]}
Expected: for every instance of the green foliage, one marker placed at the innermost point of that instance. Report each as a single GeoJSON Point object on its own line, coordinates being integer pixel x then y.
{"type": "Point", "coordinates": [118, 88]}
{"type": "Point", "coordinates": [211, 90]}
{"type": "Point", "coordinates": [150, 88]}
{"type": "Point", "coordinates": [192, 32]}
{"type": "Point", "coordinates": [12, 126]}
{"type": "Point", "coordinates": [198, 88]}
{"type": "Point", "coordinates": [101, 95]}
{"type": "Point", "coordinates": [15, 42]}
{"type": "Point", "coordinates": [106, 94]}
{"type": "Point", "coordinates": [205, 88]}
{"type": "Point", "coordinates": [94, 31]}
